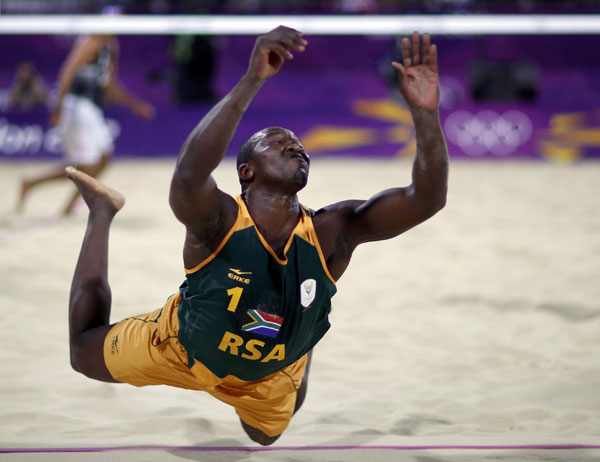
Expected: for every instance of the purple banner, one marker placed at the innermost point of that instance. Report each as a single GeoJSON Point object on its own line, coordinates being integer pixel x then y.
{"type": "Point", "coordinates": [502, 97]}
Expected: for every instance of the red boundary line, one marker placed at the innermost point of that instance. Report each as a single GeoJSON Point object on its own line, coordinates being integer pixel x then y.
{"type": "Point", "coordinates": [303, 448]}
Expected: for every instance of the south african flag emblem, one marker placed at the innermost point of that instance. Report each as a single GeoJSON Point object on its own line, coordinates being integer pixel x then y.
{"type": "Point", "coordinates": [263, 323]}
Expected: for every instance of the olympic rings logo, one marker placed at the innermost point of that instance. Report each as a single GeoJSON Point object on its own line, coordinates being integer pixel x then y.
{"type": "Point", "coordinates": [488, 131]}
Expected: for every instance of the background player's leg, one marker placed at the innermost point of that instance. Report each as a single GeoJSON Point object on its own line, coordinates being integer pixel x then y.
{"type": "Point", "coordinates": [301, 393]}
{"type": "Point", "coordinates": [58, 173]}
{"type": "Point", "coordinates": [90, 301]}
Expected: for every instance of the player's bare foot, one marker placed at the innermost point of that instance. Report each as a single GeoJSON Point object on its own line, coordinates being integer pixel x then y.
{"type": "Point", "coordinates": [96, 195]}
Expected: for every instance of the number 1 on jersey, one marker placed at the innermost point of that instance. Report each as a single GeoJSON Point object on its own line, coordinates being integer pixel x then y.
{"type": "Point", "coordinates": [236, 293]}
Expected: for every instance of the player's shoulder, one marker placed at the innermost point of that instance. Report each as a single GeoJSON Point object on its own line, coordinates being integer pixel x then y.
{"type": "Point", "coordinates": [203, 239]}
{"type": "Point", "coordinates": [336, 216]}
{"type": "Point", "coordinates": [229, 209]}
{"type": "Point", "coordinates": [339, 209]}
{"type": "Point", "coordinates": [217, 221]}
{"type": "Point", "coordinates": [227, 200]}
{"type": "Point", "coordinates": [333, 223]}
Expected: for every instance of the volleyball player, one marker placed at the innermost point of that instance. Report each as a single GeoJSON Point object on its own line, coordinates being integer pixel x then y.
{"type": "Point", "coordinates": [87, 79]}
{"type": "Point", "coordinates": [260, 268]}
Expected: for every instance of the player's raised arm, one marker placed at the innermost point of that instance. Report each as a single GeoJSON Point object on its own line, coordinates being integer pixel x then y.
{"type": "Point", "coordinates": [118, 94]}
{"type": "Point", "coordinates": [396, 210]}
{"type": "Point", "coordinates": [194, 197]}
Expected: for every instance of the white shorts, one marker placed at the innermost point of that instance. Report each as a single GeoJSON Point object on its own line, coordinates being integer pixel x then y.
{"type": "Point", "coordinates": [85, 133]}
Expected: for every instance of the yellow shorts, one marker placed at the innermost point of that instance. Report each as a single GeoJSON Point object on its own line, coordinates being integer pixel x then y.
{"type": "Point", "coordinates": [145, 350]}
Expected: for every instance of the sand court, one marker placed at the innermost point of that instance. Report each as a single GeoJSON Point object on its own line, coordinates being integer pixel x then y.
{"type": "Point", "coordinates": [475, 336]}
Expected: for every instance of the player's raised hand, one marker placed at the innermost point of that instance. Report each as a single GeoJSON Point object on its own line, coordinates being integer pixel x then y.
{"type": "Point", "coordinates": [272, 49]}
{"type": "Point", "coordinates": [144, 110]}
{"type": "Point", "coordinates": [418, 73]}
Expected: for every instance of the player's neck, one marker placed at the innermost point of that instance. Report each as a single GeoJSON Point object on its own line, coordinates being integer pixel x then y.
{"type": "Point", "coordinates": [266, 203]}
{"type": "Point", "coordinates": [276, 215]}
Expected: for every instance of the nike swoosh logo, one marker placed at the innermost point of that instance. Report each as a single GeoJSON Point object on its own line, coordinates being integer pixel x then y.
{"type": "Point", "coordinates": [239, 272]}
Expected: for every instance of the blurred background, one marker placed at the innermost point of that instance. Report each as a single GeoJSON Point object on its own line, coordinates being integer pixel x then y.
{"type": "Point", "coordinates": [503, 96]}
{"type": "Point", "coordinates": [478, 327]}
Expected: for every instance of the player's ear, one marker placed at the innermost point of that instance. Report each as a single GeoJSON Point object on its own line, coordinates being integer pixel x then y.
{"type": "Point", "coordinates": [246, 173]}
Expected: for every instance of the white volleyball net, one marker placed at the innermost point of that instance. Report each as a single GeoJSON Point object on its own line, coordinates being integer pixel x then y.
{"type": "Point", "coordinates": [450, 24]}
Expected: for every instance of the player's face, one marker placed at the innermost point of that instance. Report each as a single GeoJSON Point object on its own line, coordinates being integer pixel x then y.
{"type": "Point", "coordinates": [280, 157]}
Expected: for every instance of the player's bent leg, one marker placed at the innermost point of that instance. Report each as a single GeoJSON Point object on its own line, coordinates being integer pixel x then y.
{"type": "Point", "coordinates": [87, 354]}
{"type": "Point", "coordinates": [301, 393]}
{"type": "Point", "coordinates": [257, 435]}
{"type": "Point", "coordinates": [268, 405]}
{"type": "Point", "coordinates": [90, 298]}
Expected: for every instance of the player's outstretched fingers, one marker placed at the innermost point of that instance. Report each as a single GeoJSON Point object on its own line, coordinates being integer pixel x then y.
{"type": "Point", "coordinates": [276, 46]}
{"type": "Point", "coordinates": [415, 49]}
{"type": "Point", "coordinates": [290, 38]}
{"type": "Point", "coordinates": [406, 61]}
{"type": "Point", "coordinates": [433, 60]}
{"type": "Point", "coordinates": [399, 67]}
{"type": "Point", "coordinates": [426, 46]}
{"type": "Point", "coordinates": [284, 38]}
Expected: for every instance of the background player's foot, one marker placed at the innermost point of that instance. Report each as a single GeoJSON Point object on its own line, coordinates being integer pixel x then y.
{"type": "Point", "coordinates": [96, 195]}
{"type": "Point", "coordinates": [78, 207]}
{"type": "Point", "coordinates": [25, 187]}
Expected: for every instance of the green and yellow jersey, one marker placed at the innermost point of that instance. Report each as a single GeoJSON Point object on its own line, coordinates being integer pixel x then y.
{"type": "Point", "coordinates": [248, 313]}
